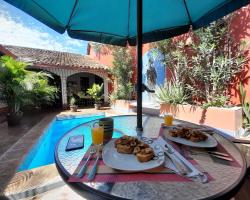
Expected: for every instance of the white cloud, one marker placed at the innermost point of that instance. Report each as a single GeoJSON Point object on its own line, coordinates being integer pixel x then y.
{"type": "Point", "coordinates": [14, 32]}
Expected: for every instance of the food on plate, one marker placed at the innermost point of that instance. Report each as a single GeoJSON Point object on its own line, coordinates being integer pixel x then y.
{"type": "Point", "coordinates": [145, 155]}
{"type": "Point", "coordinates": [125, 148]}
{"type": "Point", "coordinates": [131, 145]}
{"type": "Point", "coordinates": [188, 134]}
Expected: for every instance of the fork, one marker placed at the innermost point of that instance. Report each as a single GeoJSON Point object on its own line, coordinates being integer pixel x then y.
{"type": "Point", "coordinates": [93, 171]}
{"type": "Point", "coordinates": [84, 167]}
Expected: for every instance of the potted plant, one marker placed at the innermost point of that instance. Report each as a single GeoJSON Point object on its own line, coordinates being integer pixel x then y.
{"type": "Point", "coordinates": [20, 87]}
{"type": "Point", "coordinates": [12, 92]}
{"type": "Point", "coordinates": [73, 106]}
{"type": "Point", "coordinates": [95, 92]}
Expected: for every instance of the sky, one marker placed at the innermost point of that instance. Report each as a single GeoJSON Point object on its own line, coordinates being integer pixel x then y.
{"type": "Point", "coordinates": [20, 29]}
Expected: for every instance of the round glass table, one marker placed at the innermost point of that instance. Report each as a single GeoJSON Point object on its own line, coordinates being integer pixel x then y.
{"type": "Point", "coordinates": [225, 182]}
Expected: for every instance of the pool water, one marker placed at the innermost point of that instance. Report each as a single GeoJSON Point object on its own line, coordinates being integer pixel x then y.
{"type": "Point", "coordinates": [42, 153]}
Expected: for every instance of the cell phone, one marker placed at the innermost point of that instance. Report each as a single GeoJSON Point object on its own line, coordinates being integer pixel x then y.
{"type": "Point", "coordinates": [75, 142]}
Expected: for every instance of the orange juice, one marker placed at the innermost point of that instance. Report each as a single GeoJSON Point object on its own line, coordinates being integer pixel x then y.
{"type": "Point", "coordinates": [97, 135]}
{"type": "Point", "coordinates": [168, 119]}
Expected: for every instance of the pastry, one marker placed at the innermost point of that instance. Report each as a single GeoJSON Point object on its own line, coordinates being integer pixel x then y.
{"type": "Point", "coordinates": [131, 145]}
{"type": "Point", "coordinates": [125, 149]}
{"type": "Point", "coordinates": [145, 155]}
{"type": "Point", "coordinates": [188, 134]}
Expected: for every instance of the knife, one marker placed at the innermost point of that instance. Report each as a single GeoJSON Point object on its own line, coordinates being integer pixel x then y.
{"type": "Point", "coordinates": [193, 172]}
{"type": "Point", "coordinates": [212, 154]}
{"type": "Point", "coordinates": [180, 168]}
{"type": "Point", "coordinates": [218, 153]}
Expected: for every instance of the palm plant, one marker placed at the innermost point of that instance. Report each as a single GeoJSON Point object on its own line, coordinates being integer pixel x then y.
{"type": "Point", "coordinates": [20, 87]}
{"type": "Point", "coordinates": [12, 73]}
{"type": "Point", "coordinates": [38, 90]}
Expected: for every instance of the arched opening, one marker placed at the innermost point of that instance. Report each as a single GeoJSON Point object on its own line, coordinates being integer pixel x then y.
{"type": "Point", "coordinates": [54, 80]}
{"type": "Point", "coordinates": [79, 84]}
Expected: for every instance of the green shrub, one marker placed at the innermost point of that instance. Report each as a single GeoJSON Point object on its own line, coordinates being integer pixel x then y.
{"type": "Point", "coordinates": [95, 92]}
{"type": "Point", "coordinates": [20, 87]}
{"type": "Point", "coordinates": [208, 66]}
{"type": "Point", "coordinates": [246, 109]}
{"type": "Point", "coordinates": [72, 101]}
{"type": "Point", "coordinates": [218, 101]}
{"type": "Point", "coordinates": [172, 93]}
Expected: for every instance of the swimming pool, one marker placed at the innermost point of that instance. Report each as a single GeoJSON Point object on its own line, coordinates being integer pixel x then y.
{"type": "Point", "coordinates": [42, 153]}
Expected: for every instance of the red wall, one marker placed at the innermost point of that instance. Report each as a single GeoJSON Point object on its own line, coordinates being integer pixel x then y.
{"type": "Point", "coordinates": [241, 31]}
{"type": "Point", "coordinates": [104, 56]}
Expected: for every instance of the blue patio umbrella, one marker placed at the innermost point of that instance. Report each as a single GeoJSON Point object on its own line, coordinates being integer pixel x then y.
{"type": "Point", "coordinates": [122, 22]}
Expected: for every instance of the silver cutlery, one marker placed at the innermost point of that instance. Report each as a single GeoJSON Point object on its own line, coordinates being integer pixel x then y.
{"type": "Point", "coordinates": [93, 171]}
{"type": "Point", "coordinates": [170, 153]}
{"type": "Point", "coordinates": [212, 154]}
{"type": "Point", "coordinates": [192, 172]}
{"type": "Point", "coordinates": [84, 166]}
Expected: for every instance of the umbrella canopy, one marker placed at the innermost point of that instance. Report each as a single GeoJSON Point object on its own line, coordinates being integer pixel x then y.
{"type": "Point", "coordinates": [122, 22]}
{"type": "Point", "coordinates": [114, 21]}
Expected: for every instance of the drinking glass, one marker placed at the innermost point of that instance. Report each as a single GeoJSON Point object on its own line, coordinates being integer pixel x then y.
{"type": "Point", "coordinates": [168, 119]}
{"type": "Point", "coordinates": [97, 134]}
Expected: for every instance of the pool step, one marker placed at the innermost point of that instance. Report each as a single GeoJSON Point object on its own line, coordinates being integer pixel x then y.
{"type": "Point", "coordinates": [33, 182]}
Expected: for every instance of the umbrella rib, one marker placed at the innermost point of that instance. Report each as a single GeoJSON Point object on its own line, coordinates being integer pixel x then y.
{"type": "Point", "coordinates": [111, 34]}
{"type": "Point", "coordinates": [189, 17]}
{"type": "Point", "coordinates": [159, 30]}
{"type": "Point", "coordinates": [128, 17]}
{"type": "Point", "coordinates": [72, 12]}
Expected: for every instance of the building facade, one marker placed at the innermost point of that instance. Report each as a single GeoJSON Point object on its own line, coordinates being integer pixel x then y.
{"type": "Point", "coordinates": [75, 73]}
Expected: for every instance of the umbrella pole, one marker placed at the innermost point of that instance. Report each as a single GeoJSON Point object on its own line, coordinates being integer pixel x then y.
{"type": "Point", "coordinates": [139, 127]}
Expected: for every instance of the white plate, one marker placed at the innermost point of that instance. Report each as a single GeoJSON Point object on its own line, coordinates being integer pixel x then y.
{"type": "Point", "coordinates": [210, 142]}
{"type": "Point", "coordinates": [129, 162]}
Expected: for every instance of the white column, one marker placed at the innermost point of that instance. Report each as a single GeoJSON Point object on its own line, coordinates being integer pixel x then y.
{"type": "Point", "coordinates": [64, 91]}
{"type": "Point", "coordinates": [106, 90]}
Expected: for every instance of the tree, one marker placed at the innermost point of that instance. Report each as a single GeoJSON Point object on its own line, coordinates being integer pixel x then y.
{"type": "Point", "coordinates": [122, 72]}
{"type": "Point", "coordinates": [207, 67]}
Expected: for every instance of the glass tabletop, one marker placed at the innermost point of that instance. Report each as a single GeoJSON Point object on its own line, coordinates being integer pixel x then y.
{"type": "Point", "coordinates": [225, 178]}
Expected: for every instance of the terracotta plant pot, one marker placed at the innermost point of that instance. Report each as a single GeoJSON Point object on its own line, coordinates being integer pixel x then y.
{"type": "Point", "coordinates": [14, 119]}
{"type": "Point", "coordinates": [228, 119]}
{"type": "Point", "coordinates": [122, 105]}
{"type": "Point", "coordinates": [73, 108]}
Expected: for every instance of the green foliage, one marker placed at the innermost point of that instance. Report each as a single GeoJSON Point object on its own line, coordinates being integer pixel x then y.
{"type": "Point", "coordinates": [218, 101]}
{"type": "Point", "coordinates": [20, 87]}
{"type": "Point", "coordinates": [122, 72]}
{"type": "Point", "coordinates": [95, 92]}
{"type": "Point", "coordinates": [216, 61]}
{"type": "Point", "coordinates": [38, 89]}
{"type": "Point", "coordinates": [245, 108]}
{"type": "Point", "coordinates": [208, 66]}
{"type": "Point", "coordinates": [72, 101]}
{"type": "Point", "coordinates": [172, 93]}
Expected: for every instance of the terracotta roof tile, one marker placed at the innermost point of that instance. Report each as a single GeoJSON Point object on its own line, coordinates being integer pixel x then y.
{"type": "Point", "coordinates": [54, 58]}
